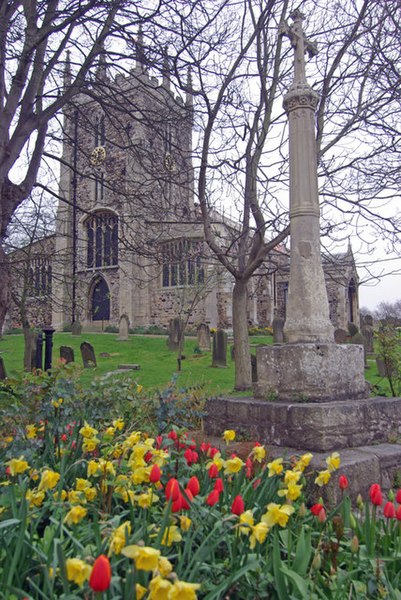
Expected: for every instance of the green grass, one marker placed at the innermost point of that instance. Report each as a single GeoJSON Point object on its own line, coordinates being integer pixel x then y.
{"type": "Point", "coordinates": [157, 363]}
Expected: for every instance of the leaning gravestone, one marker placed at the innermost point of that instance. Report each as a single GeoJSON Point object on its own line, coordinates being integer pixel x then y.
{"type": "Point", "coordinates": [340, 336]}
{"type": "Point", "coordinates": [367, 332]}
{"type": "Point", "coordinates": [175, 333]}
{"type": "Point", "coordinates": [278, 330]}
{"type": "Point", "coordinates": [3, 374]}
{"type": "Point", "coordinates": [123, 328]}
{"type": "Point", "coordinates": [88, 355]}
{"type": "Point", "coordinates": [76, 328]}
{"type": "Point", "coordinates": [67, 354]}
{"type": "Point", "coordinates": [203, 333]}
{"type": "Point", "coordinates": [219, 349]}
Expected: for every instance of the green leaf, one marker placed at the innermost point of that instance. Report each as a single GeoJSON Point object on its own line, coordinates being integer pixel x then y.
{"type": "Point", "coordinates": [9, 523]}
{"type": "Point", "coordinates": [298, 582]}
{"type": "Point", "coordinates": [303, 553]}
{"type": "Point", "coordinates": [279, 578]}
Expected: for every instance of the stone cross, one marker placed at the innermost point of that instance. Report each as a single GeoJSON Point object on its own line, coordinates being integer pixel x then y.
{"type": "Point", "coordinates": [300, 44]}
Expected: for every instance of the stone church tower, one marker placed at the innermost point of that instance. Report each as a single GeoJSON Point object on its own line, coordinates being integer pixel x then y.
{"type": "Point", "coordinates": [128, 240]}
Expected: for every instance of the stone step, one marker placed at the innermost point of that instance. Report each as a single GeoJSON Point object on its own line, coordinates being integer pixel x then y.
{"type": "Point", "coordinates": [127, 367]}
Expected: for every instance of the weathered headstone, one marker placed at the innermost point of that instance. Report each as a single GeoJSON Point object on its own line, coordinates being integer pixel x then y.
{"type": "Point", "coordinates": [3, 374]}
{"type": "Point", "coordinates": [39, 352]}
{"type": "Point", "coordinates": [367, 332]}
{"type": "Point", "coordinates": [219, 349]}
{"type": "Point", "coordinates": [340, 336]}
{"type": "Point", "coordinates": [175, 333]}
{"type": "Point", "coordinates": [88, 355]}
{"type": "Point", "coordinates": [123, 329]}
{"type": "Point", "coordinates": [384, 369]}
{"type": "Point", "coordinates": [278, 330]}
{"type": "Point", "coordinates": [76, 328]}
{"type": "Point", "coordinates": [358, 338]}
{"type": "Point", "coordinates": [254, 366]}
{"type": "Point", "coordinates": [67, 354]}
{"type": "Point", "coordinates": [203, 333]}
{"type": "Point", "coordinates": [30, 350]}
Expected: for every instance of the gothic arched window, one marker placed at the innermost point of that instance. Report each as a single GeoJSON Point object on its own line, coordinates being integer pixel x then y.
{"type": "Point", "coordinates": [182, 263]}
{"type": "Point", "coordinates": [102, 240]}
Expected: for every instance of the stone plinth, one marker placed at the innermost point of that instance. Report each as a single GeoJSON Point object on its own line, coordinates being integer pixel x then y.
{"type": "Point", "coordinates": [316, 427]}
{"type": "Point", "coordinates": [310, 372]}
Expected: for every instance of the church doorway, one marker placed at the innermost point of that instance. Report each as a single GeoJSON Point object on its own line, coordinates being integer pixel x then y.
{"type": "Point", "coordinates": [100, 310]}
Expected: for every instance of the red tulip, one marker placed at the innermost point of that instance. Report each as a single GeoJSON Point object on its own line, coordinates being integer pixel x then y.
{"type": "Point", "coordinates": [212, 452]}
{"type": "Point", "coordinates": [213, 498]}
{"type": "Point", "coordinates": [204, 447]}
{"type": "Point", "coordinates": [159, 441]}
{"type": "Point", "coordinates": [213, 471]}
{"type": "Point", "coordinates": [173, 435]}
{"type": "Point", "coordinates": [177, 504]}
{"type": "Point", "coordinates": [398, 513]}
{"type": "Point", "coordinates": [316, 508]}
{"type": "Point", "coordinates": [190, 456]}
{"type": "Point", "coordinates": [373, 489]}
{"type": "Point", "coordinates": [376, 496]}
{"type": "Point", "coordinates": [343, 482]}
{"type": "Point", "coordinates": [100, 577]}
{"type": "Point", "coordinates": [172, 489]}
{"type": "Point", "coordinates": [184, 502]}
{"type": "Point", "coordinates": [398, 497]}
{"type": "Point", "coordinates": [193, 485]}
{"type": "Point", "coordinates": [322, 515]}
{"type": "Point", "coordinates": [218, 485]}
{"type": "Point", "coordinates": [148, 457]}
{"type": "Point", "coordinates": [155, 474]}
{"type": "Point", "coordinates": [389, 510]}
{"type": "Point", "coordinates": [238, 507]}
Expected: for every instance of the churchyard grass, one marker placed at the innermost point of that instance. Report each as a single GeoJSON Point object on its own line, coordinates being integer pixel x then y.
{"type": "Point", "coordinates": [157, 363]}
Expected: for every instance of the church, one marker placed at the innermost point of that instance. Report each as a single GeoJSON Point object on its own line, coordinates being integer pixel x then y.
{"type": "Point", "coordinates": [129, 235]}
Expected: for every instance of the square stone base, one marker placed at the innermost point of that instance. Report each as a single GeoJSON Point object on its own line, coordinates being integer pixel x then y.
{"type": "Point", "coordinates": [310, 372]}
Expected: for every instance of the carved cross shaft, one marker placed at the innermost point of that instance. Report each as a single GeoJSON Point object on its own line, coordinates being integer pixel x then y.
{"type": "Point", "coordinates": [300, 44]}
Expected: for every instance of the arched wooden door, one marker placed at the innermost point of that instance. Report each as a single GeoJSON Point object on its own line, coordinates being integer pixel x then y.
{"type": "Point", "coordinates": [101, 301]}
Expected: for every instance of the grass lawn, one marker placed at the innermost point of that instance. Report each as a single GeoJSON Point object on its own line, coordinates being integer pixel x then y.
{"type": "Point", "coordinates": [158, 364]}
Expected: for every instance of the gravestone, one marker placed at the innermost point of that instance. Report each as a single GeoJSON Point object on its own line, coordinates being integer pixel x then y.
{"type": "Point", "coordinates": [30, 350]}
{"type": "Point", "coordinates": [3, 374]}
{"type": "Point", "coordinates": [358, 338]}
{"type": "Point", "coordinates": [39, 352]}
{"type": "Point", "coordinates": [340, 336]}
{"type": "Point", "coordinates": [67, 354]}
{"type": "Point", "coordinates": [367, 332]}
{"type": "Point", "coordinates": [278, 330]}
{"type": "Point", "coordinates": [76, 328]}
{"type": "Point", "coordinates": [254, 366]}
{"type": "Point", "coordinates": [219, 358]}
{"type": "Point", "coordinates": [203, 334]}
{"type": "Point", "coordinates": [383, 369]}
{"type": "Point", "coordinates": [123, 328]}
{"type": "Point", "coordinates": [88, 355]}
{"type": "Point", "coordinates": [175, 333]}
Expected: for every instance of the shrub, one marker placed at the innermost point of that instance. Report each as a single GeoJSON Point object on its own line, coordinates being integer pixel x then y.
{"type": "Point", "coordinates": [111, 329]}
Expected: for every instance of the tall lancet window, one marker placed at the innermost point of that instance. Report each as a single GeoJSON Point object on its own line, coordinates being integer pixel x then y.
{"type": "Point", "coordinates": [98, 157]}
{"type": "Point", "coordinates": [102, 240]}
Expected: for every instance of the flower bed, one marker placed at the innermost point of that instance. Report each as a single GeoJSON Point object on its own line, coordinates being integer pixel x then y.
{"type": "Point", "coordinates": [110, 510]}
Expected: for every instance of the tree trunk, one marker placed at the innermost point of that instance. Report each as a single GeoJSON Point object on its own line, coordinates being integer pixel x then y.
{"type": "Point", "coordinates": [243, 371]}
{"type": "Point", "coordinates": [4, 287]}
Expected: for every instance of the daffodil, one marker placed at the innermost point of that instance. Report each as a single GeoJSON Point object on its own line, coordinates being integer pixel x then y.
{"type": "Point", "coordinates": [246, 521]}
{"type": "Point", "coordinates": [292, 491]}
{"type": "Point", "coordinates": [333, 462]}
{"type": "Point", "coordinates": [17, 465]}
{"type": "Point", "coordinates": [76, 497]}
{"type": "Point", "coordinates": [229, 435]}
{"type": "Point", "coordinates": [185, 522]}
{"type": "Point", "coordinates": [233, 465]}
{"type": "Point", "coordinates": [87, 431]}
{"type": "Point", "coordinates": [159, 588]}
{"type": "Point", "coordinates": [49, 480]}
{"type": "Point", "coordinates": [35, 497]}
{"type": "Point", "coordinates": [275, 467]}
{"type": "Point", "coordinates": [145, 557]}
{"type": "Point", "coordinates": [140, 591]}
{"type": "Point", "coordinates": [90, 444]}
{"type": "Point", "coordinates": [60, 495]}
{"type": "Point", "coordinates": [93, 468]}
{"type": "Point", "coordinates": [182, 590]}
{"type": "Point", "coordinates": [77, 570]}
{"type": "Point", "coordinates": [303, 462]}
{"type": "Point", "coordinates": [31, 432]}
{"type": "Point", "coordinates": [75, 515]}
{"type": "Point", "coordinates": [90, 494]}
{"type": "Point", "coordinates": [259, 534]}
{"type": "Point", "coordinates": [119, 537]}
{"type": "Point", "coordinates": [277, 514]}
{"type": "Point", "coordinates": [171, 534]}
{"type": "Point", "coordinates": [259, 453]}
{"type": "Point", "coordinates": [164, 566]}
{"type": "Point", "coordinates": [292, 476]}
{"type": "Point", "coordinates": [118, 424]}
{"type": "Point", "coordinates": [323, 478]}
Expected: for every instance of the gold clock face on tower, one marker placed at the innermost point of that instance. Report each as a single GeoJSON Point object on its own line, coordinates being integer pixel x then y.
{"type": "Point", "coordinates": [98, 156]}
{"type": "Point", "coordinates": [169, 162]}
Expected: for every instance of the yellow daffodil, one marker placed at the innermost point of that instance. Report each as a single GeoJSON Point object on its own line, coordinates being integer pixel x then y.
{"type": "Point", "coordinates": [140, 591]}
{"type": "Point", "coordinates": [77, 570]}
{"type": "Point", "coordinates": [182, 590]}
{"type": "Point", "coordinates": [323, 478]}
{"type": "Point", "coordinates": [118, 424]}
{"type": "Point", "coordinates": [171, 534]}
{"type": "Point", "coordinates": [277, 514]}
{"type": "Point", "coordinates": [229, 435]}
{"type": "Point", "coordinates": [17, 465]}
{"type": "Point", "coordinates": [60, 496]}
{"type": "Point", "coordinates": [145, 557]}
{"type": "Point", "coordinates": [259, 453]}
{"type": "Point", "coordinates": [246, 520]}
{"type": "Point", "coordinates": [90, 444]}
{"type": "Point", "coordinates": [57, 403]}
{"type": "Point", "coordinates": [233, 465]}
{"type": "Point", "coordinates": [140, 475]}
{"type": "Point", "coordinates": [139, 389]}
{"type": "Point", "coordinates": [35, 497]}
{"type": "Point", "coordinates": [49, 480]}
{"type": "Point", "coordinates": [275, 467]}
{"type": "Point", "coordinates": [292, 476]}
{"type": "Point", "coordinates": [75, 515]}
{"type": "Point", "coordinates": [93, 468]}
{"type": "Point", "coordinates": [333, 462]}
{"type": "Point", "coordinates": [185, 522]}
{"type": "Point", "coordinates": [159, 588]}
{"type": "Point", "coordinates": [164, 566]}
{"type": "Point", "coordinates": [303, 462]}
{"type": "Point", "coordinates": [146, 499]}
{"type": "Point", "coordinates": [87, 431]}
{"type": "Point", "coordinates": [107, 467]}
{"type": "Point", "coordinates": [76, 497]}
{"type": "Point", "coordinates": [292, 491]}
{"type": "Point", "coordinates": [217, 460]}
{"type": "Point", "coordinates": [90, 494]}
{"type": "Point", "coordinates": [259, 533]}
{"type": "Point", "coordinates": [81, 484]}
{"type": "Point", "coordinates": [31, 431]}
{"type": "Point", "coordinates": [119, 537]}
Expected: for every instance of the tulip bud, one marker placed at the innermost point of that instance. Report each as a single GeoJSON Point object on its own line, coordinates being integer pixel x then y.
{"type": "Point", "coordinates": [302, 510]}
{"type": "Point", "coordinates": [354, 546]}
{"type": "Point", "coordinates": [352, 521]}
{"type": "Point", "coordinates": [359, 501]}
{"type": "Point", "coordinates": [322, 517]}
{"type": "Point", "coordinates": [391, 496]}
